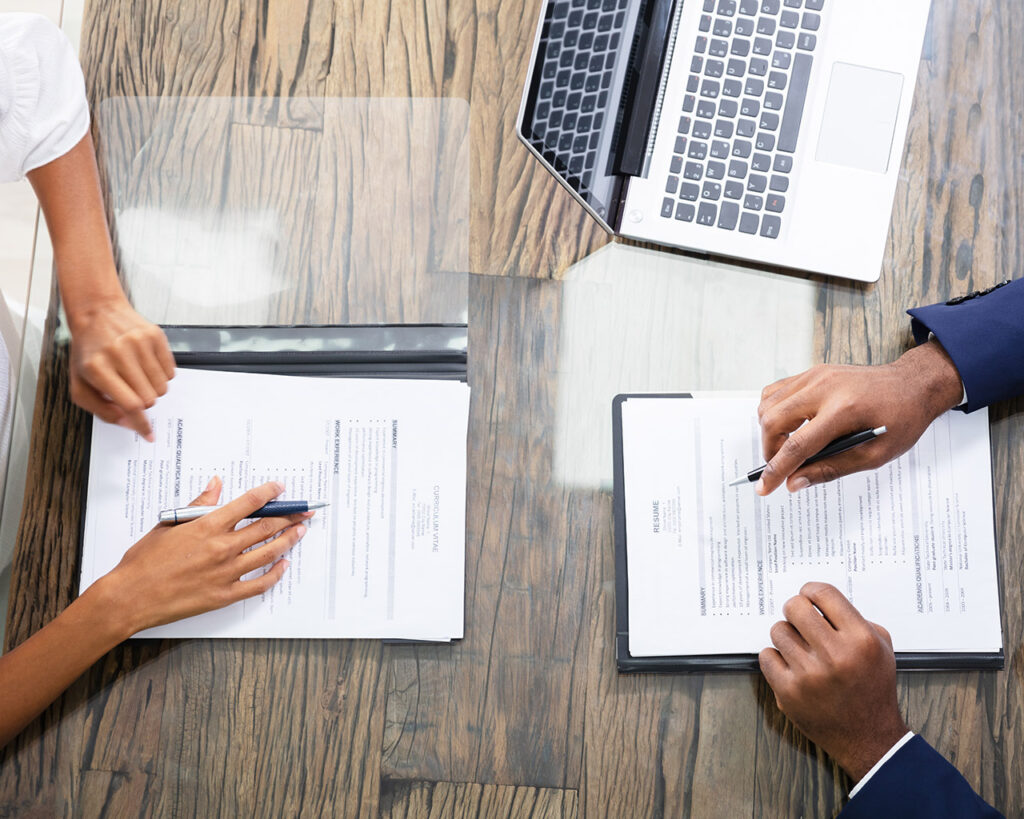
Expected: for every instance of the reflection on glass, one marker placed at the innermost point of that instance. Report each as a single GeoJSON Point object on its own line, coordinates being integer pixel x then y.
{"type": "Point", "coordinates": [636, 320]}
{"type": "Point", "coordinates": [300, 211]}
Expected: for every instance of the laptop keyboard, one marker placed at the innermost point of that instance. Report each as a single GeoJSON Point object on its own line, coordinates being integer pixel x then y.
{"type": "Point", "coordinates": [583, 39]}
{"type": "Point", "coordinates": [744, 102]}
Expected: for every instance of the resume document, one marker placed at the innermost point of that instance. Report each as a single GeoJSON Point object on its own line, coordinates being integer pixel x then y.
{"type": "Point", "coordinates": [385, 559]}
{"type": "Point", "coordinates": [710, 566]}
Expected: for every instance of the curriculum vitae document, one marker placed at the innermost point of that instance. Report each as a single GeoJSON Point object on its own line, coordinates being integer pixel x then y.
{"type": "Point", "coordinates": [385, 559]}
{"type": "Point", "coordinates": [710, 566]}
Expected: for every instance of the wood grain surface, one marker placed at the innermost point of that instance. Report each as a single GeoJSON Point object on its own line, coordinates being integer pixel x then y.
{"type": "Point", "coordinates": [526, 716]}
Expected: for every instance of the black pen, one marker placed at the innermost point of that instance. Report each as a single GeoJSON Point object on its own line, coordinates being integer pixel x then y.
{"type": "Point", "coordinates": [838, 445]}
{"type": "Point", "coordinates": [271, 510]}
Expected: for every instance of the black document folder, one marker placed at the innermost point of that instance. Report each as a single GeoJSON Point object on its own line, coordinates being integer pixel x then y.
{"type": "Point", "coordinates": [626, 662]}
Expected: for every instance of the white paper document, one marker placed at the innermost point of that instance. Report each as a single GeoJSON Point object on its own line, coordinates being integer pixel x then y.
{"type": "Point", "coordinates": [710, 566]}
{"type": "Point", "coordinates": [385, 559]}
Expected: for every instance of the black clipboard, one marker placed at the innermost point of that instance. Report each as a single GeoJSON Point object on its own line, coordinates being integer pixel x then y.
{"type": "Point", "coordinates": [626, 662]}
{"type": "Point", "coordinates": [435, 351]}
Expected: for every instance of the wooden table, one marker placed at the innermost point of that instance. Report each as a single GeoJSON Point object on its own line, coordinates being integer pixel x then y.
{"type": "Point", "coordinates": [526, 716]}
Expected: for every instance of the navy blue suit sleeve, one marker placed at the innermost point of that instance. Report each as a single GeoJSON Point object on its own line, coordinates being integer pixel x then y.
{"type": "Point", "coordinates": [984, 335]}
{"type": "Point", "coordinates": [918, 782]}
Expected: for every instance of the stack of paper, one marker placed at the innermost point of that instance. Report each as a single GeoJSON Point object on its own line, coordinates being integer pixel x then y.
{"type": "Point", "coordinates": [385, 559]}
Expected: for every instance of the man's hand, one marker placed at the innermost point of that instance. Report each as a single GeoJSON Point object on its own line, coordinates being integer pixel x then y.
{"type": "Point", "coordinates": [905, 397]}
{"type": "Point", "coordinates": [834, 676]}
{"type": "Point", "coordinates": [120, 365]}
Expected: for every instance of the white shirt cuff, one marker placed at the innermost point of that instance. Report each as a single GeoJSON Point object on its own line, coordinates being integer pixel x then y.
{"type": "Point", "coordinates": [905, 739]}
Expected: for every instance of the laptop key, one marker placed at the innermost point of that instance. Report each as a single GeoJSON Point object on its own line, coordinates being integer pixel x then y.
{"type": "Point", "coordinates": [716, 170]}
{"type": "Point", "coordinates": [753, 202]}
{"type": "Point", "coordinates": [765, 141]}
{"type": "Point", "coordinates": [720, 149]}
{"type": "Point", "coordinates": [737, 170]}
{"type": "Point", "coordinates": [749, 223]}
{"type": "Point", "coordinates": [714, 68]}
{"type": "Point", "coordinates": [744, 27]}
{"type": "Point", "coordinates": [794, 113]}
{"type": "Point", "coordinates": [736, 68]}
{"type": "Point", "coordinates": [718, 48]}
{"type": "Point", "coordinates": [728, 215]}
{"type": "Point", "coordinates": [740, 47]}
{"type": "Point", "coordinates": [706, 110]}
{"type": "Point", "coordinates": [668, 207]}
{"type": "Point", "coordinates": [762, 46]}
{"type": "Point", "coordinates": [748, 7]}
{"type": "Point", "coordinates": [706, 214]}
{"type": "Point", "coordinates": [770, 227]}
{"type": "Point", "coordinates": [777, 80]}
{"type": "Point", "coordinates": [576, 164]}
{"type": "Point", "coordinates": [788, 19]}
{"type": "Point", "coordinates": [806, 42]}
{"type": "Point", "coordinates": [702, 130]}
{"type": "Point", "coordinates": [723, 28]}
{"type": "Point", "coordinates": [684, 125]}
{"type": "Point", "coordinates": [815, 5]}
{"type": "Point", "coordinates": [755, 183]}
{"type": "Point", "coordinates": [689, 101]}
{"type": "Point", "coordinates": [731, 88]}
{"type": "Point", "coordinates": [689, 192]}
{"type": "Point", "coordinates": [696, 64]}
{"type": "Point", "coordinates": [593, 83]}
{"type": "Point", "coordinates": [709, 5]}
{"type": "Point", "coordinates": [680, 145]}
{"type": "Point", "coordinates": [741, 148]}
{"type": "Point", "coordinates": [754, 87]}
{"type": "Point", "coordinates": [693, 171]}
{"type": "Point", "coordinates": [685, 212]}
{"type": "Point", "coordinates": [811, 22]}
{"type": "Point", "coordinates": [676, 164]}
{"type": "Point", "coordinates": [785, 39]}
{"type": "Point", "coordinates": [750, 108]}
{"type": "Point", "coordinates": [692, 83]}
{"type": "Point", "coordinates": [770, 6]}
{"type": "Point", "coordinates": [793, 4]}
{"type": "Point", "coordinates": [701, 45]}
{"type": "Point", "coordinates": [766, 26]}
{"type": "Point", "coordinates": [746, 128]}
{"type": "Point", "coordinates": [775, 203]}
{"type": "Point", "coordinates": [733, 190]}
{"type": "Point", "coordinates": [672, 185]}
{"type": "Point", "coordinates": [727, 8]}
{"type": "Point", "coordinates": [758, 67]}
{"type": "Point", "coordinates": [711, 192]}
{"type": "Point", "coordinates": [779, 184]}
{"type": "Point", "coordinates": [761, 163]}
{"type": "Point", "coordinates": [781, 59]}
{"type": "Point", "coordinates": [783, 164]}
{"type": "Point", "coordinates": [773, 101]}
{"type": "Point", "coordinates": [698, 150]}
{"type": "Point", "coordinates": [728, 108]}
{"type": "Point", "coordinates": [705, 22]}
{"type": "Point", "coordinates": [723, 129]}
{"type": "Point", "coordinates": [769, 121]}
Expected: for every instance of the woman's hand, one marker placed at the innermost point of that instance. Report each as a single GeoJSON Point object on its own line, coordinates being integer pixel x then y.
{"type": "Point", "coordinates": [177, 571]}
{"type": "Point", "coordinates": [120, 364]}
{"type": "Point", "coordinates": [802, 414]}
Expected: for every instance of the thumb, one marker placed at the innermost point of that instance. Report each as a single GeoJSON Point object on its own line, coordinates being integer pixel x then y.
{"type": "Point", "coordinates": [210, 495]}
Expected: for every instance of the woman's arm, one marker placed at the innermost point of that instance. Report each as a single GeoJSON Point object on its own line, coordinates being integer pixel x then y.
{"type": "Point", "coordinates": [173, 572]}
{"type": "Point", "coordinates": [120, 362]}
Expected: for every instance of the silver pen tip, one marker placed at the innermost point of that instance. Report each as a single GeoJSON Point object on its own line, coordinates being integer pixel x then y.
{"type": "Point", "coordinates": [317, 505]}
{"type": "Point", "coordinates": [742, 479]}
{"type": "Point", "coordinates": [880, 430]}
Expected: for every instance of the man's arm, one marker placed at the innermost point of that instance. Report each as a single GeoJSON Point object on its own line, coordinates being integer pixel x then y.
{"type": "Point", "coordinates": [978, 344]}
{"type": "Point", "coordinates": [834, 676]}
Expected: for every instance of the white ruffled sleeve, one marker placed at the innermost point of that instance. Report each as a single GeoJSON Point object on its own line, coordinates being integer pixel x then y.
{"type": "Point", "coordinates": [43, 109]}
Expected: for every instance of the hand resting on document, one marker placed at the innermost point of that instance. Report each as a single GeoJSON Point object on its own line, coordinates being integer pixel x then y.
{"type": "Point", "coordinates": [834, 676]}
{"type": "Point", "coordinates": [171, 573]}
{"type": "Point", "coordinates": [904, 396]}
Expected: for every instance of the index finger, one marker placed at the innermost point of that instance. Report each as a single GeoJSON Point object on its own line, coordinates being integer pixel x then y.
{"type": "Point", "coordinates": [833, 604]}
{"type": "Point", "coordinates": [800, 445]}
{"type": "Point", "coordinates": [230, 514]}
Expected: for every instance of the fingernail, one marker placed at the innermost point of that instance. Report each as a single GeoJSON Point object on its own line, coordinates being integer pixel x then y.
{"type": "Point", "coordinates": [759, 487]}
{"type": "Point", "coordinates": [211, 484]}
{"type": "Point", "coordinates": [279, 487]}
{"type": "Point", "coordinates": [798, 484]}
{"type": "Point", "coordinates": [300, 530]}
{"type": "Point", "coordinates": [309, 514]}
{"type": "Point", "coordinates": [149, 436]}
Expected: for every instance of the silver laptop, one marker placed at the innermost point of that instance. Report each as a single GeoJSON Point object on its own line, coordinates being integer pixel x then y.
{"type": "Point", "coordinates": [768, 130]}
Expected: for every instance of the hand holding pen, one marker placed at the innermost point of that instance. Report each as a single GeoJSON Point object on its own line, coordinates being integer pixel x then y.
{"type": "Point", "coordinates": [904, 396]}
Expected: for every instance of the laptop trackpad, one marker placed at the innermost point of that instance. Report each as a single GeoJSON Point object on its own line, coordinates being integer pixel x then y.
{"type": "Point", "coordinates": [860, 117]}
